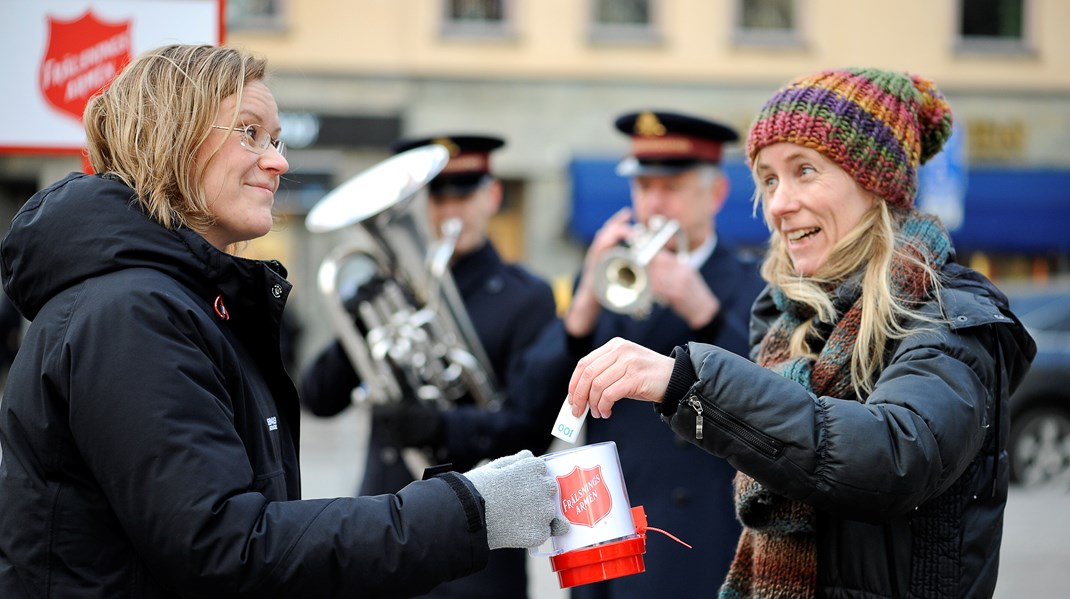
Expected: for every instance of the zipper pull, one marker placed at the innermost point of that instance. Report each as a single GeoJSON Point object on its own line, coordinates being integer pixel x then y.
{"type": "Point", "coordinates": [697, 406]}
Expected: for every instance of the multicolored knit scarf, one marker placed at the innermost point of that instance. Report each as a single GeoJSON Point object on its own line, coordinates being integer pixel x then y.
{"type": "Point", "coordinates": [777, 552]}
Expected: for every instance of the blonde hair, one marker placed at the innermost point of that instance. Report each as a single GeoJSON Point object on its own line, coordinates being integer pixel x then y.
{"type": "Point", "coordinates": [871, 247]}
{"type": "Point", "coordinates": [146, 127]}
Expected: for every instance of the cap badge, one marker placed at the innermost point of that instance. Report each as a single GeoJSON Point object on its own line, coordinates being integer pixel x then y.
{"type": "Point", "coordinates": [647, 124]}
{"type": "Point", "coordinates": [448, 144]}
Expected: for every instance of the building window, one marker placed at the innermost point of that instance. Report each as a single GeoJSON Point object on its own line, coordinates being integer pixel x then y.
{"type": "Point", "coordinates": [768, 22]}
{"type": "Point", "coordinates": [993, 25]}
{"type": "Point", "coordinates": [245, 15]}
{"type": "Point", "coordinates": [477, 18]}
{"type": "Point", "coordinates": [623, 21]}
{"type": "Point", "coordinates": [622, 12]}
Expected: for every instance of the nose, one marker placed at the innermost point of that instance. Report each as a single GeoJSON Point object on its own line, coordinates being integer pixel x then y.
{"type": "Point", "coordinates": [781, 201]}
{"type": "Point", "coordinates": [273, 160]}
{"type": "Point", "coordinates": [652, 200]}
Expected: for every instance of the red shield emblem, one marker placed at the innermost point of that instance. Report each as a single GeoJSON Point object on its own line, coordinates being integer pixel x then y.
{"type": "Point", "coordinates": [585, 498]}
{"type": "Point", "coordinates": [82, 57]}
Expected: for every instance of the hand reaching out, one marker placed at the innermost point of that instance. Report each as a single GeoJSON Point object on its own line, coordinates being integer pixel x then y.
{"type": "Point", "coordinates": [617, 370]}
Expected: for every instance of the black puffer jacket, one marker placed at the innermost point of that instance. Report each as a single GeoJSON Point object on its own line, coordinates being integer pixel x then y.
{"type": "Point", "coordinates": [910, 486]}
{"type": "Point", "coordinates": [150, 433]}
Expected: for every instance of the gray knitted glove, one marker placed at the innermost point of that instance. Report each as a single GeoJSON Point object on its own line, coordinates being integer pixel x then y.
{"type": "Point", "coordinates": [520, 498]}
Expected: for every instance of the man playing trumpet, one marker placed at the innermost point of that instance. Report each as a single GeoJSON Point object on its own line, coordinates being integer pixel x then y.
{"type": "Point", "coordinates": [701, 292]}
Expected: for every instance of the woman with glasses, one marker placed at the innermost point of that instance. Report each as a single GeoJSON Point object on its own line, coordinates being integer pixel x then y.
{"type": "Point", "coordinates": [148, 428]}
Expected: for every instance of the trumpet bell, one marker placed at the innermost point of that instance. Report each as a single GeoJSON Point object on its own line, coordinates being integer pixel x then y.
{"type": "Point", "coordinates": [622, 285]}
{"type": "Point", "coordinates": [621, 278]}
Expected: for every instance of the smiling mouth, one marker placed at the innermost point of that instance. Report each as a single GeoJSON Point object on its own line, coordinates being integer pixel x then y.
{"type": "Point", "coordinates": [798, 234]}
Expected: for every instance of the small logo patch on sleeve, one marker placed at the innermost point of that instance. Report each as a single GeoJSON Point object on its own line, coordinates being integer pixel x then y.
{"type": "Point", "coordinates": [273, 423]}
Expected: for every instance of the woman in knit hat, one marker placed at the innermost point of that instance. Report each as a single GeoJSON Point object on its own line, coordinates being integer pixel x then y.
{"type": "Point", "coordinates": [870, 436]}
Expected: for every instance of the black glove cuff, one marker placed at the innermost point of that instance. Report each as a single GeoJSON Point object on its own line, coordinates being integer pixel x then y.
{"type": "Point", "coordinates": [682, 379]}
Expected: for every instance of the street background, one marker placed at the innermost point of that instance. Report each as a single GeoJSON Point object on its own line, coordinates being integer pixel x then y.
{"type": "Point", "coordinates": [1035, 559]}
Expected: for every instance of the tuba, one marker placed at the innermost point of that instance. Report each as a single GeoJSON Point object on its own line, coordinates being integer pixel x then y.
{"type": "Point", "coordinates": [621, 280]}
{"type": "Point", "coordinates": [389, 294]}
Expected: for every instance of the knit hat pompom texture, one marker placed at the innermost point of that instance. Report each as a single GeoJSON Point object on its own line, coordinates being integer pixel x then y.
{"type": "Point", "coordinates": [879, 126]}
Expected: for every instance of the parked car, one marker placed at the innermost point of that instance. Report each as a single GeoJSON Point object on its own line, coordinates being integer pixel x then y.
{"type": "Point", "coordinates": [1039, 442]}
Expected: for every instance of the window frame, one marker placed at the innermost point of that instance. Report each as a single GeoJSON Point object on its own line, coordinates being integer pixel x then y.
{"type": "Point", "coordinates": [615, 33]}
{"type": "Point", "coordinates": [452, 29]}
{"type": "Point", "coordinates": [278, 21]}
{"type": "Point", "coordinates": [994, 45]}
{"type": "Point", "coordinates": [756, 38]}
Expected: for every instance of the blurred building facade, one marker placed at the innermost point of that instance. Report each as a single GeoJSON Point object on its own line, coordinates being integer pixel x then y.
{"type": "Point", "coordinates": [350, 76]}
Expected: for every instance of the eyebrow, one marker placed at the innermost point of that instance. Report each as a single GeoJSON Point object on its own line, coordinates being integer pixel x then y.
{"type": "Point", "coordinates": [251, 117]}
{"type": "Point", "coordinates": [794, 156]}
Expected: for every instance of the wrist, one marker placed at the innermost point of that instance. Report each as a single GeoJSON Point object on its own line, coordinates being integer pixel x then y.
{"type": "Point", "coordinates": [705, 314]}
{"type": "Point", "coordinates": [581, 316]}
{"type": "Point", "coordinates": [680, 382]}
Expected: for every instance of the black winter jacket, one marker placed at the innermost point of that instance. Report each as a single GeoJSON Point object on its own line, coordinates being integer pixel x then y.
{"type": "Point", "coordinates": [910, 485]}
{"type": "Point", "coordinates": [150, 433]}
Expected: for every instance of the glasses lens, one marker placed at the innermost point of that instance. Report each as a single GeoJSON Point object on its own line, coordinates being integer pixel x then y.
{"type": "Point", "coordinates": [257, 139]}
{"type": "Point", "coordinates": [261, 138]}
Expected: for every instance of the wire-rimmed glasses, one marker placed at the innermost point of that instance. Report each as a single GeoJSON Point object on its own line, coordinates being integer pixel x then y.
{"type": "Point", "coordinates": [256, 139]}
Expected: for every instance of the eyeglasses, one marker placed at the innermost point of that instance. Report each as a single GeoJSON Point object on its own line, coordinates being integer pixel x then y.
{"type": "Point", "coordinates": [256, 139]}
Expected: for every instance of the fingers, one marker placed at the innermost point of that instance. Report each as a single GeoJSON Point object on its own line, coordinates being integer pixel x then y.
{"type": "Point", "coordinates": [509, 460]}
{"type": "Point", "coordinates": [621, 216]}
{"type": "Point", "coordinates": [599, 379]}
{"type": "Point", "coordinates": [612, 232]}
{"type": "Point", "coordinates": [619, 369]}
{"type": "Point", "coordinates": [579, 385]}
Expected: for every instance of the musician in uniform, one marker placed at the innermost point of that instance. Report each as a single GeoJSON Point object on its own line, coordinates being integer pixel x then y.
{"type": "Point", "coordinates": [705, 295]}
{"type": "Point", "coordinates": [507, 306]}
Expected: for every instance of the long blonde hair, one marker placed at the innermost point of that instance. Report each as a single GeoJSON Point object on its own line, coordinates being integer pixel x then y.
{"type": "Point", "coordinates": [146, 127]}
{"type": "Point", "coordinates": [870, 248]}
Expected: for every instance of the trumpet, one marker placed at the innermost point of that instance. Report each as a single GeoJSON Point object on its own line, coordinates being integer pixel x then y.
{"type": "Point", "coordinates": [621, 279]}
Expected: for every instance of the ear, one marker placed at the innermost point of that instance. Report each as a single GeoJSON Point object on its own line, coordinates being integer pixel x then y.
{"type": "Point", "coordinates": [494, 196]}
{"type": "Point", "coordinates": [719, 190]}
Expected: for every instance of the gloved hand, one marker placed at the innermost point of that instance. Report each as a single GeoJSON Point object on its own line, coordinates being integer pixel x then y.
{"type": "Point", "coordinates": [520, 496]}
{"type": "Point", "coordinates": [409, 423]}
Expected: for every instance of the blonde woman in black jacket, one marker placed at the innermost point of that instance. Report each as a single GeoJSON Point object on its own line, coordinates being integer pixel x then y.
{"type": "Point", "coordinates": [870, 436]}
{"type": "Point", "coordinates": [149, 430]}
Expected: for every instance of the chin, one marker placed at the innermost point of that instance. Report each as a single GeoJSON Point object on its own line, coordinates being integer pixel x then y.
{"type": "Point", "coordinates": [804, 269]}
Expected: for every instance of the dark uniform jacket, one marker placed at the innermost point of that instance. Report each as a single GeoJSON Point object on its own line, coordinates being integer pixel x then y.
{"type": "Point", "coordinates": [508, 307]}
{"type": "Point", "coordinates": [911, 485]}
{"type": "Point", "coordinates": [150, 433]}
{"type": "Point", "coordinates": [682, 490]}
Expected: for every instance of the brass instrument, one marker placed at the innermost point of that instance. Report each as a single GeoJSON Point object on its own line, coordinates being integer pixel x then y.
{"type": "Point", "coordinates": [390, 296]}
{"type": "Point", "coordinates": [621, 281]}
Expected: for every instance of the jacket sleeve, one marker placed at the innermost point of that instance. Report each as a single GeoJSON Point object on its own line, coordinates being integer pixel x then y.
{"type": "Point", "coordinates": [914, 435]}
{"type": "Point", "coordinates": [327, 383]}
{"type": "Point", "coordinates": [153, 411]}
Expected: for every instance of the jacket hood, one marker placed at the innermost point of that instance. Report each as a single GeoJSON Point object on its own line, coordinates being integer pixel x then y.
{"type": "Point", "coordinates": [86, 226]}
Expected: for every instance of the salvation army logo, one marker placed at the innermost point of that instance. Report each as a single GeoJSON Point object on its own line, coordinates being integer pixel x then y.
{"type": "Point", "coordinates": [585, 498]}
{"type": "Point", "coordinates": [82, 57]}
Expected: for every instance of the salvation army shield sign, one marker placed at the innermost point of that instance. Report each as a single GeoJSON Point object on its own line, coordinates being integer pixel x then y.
{"type": "Point", "coordinates": [81, 57]}
{"type": "Point", "coordinates": [585, 498]}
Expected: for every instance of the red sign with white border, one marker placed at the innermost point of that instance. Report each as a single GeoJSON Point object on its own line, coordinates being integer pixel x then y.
{"type": "Point", "coordinates": [57, 53]}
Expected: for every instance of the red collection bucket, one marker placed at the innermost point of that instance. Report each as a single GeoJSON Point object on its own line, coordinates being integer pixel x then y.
{"type": "Point", "coordinates": [607, 537]}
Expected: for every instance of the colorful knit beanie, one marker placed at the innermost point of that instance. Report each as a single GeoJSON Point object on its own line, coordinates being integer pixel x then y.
{"type": "Point", "coordinates": [879, 126]}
